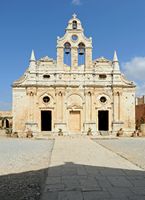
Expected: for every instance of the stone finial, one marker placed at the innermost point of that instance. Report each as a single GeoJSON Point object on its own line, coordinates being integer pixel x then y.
{"type": "Point", "coordinates": [115, 59]}
{"type": "Point", "coordinates": [116, 63]}
{"type": "Point", "coordinates": [32, 62]}
{"type": "Point", "coordinates": [32, 58]}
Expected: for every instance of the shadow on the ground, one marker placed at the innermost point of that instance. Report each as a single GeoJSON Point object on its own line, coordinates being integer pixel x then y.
{"type": "Point", "coordinates": [75, 182]}
{"type": "Point", "coordinates": [22, 186]}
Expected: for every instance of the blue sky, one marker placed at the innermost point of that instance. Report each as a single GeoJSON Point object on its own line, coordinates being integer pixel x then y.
{"type": "Point", "coordinates": [35, 24]}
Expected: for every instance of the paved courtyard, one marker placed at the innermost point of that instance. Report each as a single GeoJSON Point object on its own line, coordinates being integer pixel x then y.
{"type": "Point", "coordinates": [23, 167]}
{"type": "Point", "coordinates": [132, 149]}
{"type": "Point", "coordinates": [81, 169]}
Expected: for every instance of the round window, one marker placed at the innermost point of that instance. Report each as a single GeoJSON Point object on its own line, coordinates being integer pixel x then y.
{"type": "Point", "coordinates": [46, 99]}
{"type": "Point", "coordinates": [103, 99]}
{"type": "Point", "coordinates": [74, 37]}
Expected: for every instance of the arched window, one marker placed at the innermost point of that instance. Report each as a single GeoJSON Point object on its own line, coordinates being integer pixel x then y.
{"type": "Point", "coordinates": [67, 53]}
{"type": "Point", "coordinates": [81, 53]}
{"type": "Point", "coordinates": [74, 24]}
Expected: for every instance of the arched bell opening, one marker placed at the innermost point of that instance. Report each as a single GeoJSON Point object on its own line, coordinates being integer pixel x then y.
{"type": "Point", "coordinates": [67, 53]}
{"type": "Point", "coordinates": [81, 54]}
{"type": "Point", "coordinates": [74, 24]}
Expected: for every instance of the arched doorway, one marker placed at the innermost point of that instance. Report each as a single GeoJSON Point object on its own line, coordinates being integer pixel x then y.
{"type": "Point", "coordinates": [7, 123]}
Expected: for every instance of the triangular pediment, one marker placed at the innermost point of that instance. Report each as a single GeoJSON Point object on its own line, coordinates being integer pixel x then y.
{"type": "Point", "coordinates": [102, 60]}
{"type": "Point", "coordinates": [46, 59]}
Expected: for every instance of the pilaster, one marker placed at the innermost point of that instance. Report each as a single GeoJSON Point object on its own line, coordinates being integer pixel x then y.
{"type": "Point", "coordinates": [88, 58]}
{"type": "Point", "coordinates": [74, 58]}
{"type": "Point", "coordinates": [60, 55]}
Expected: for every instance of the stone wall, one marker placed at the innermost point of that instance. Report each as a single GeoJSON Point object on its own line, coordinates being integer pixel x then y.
{"type": "Point", "coordinates": [140, 115]}
{"type": "Point", "coordinates": [5, 119]}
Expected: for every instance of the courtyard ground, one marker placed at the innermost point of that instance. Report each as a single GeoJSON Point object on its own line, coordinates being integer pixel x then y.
{"type": "Point", "coordinates": [82, 169]}
{"type": "Point", "coordinates": [78, 169]}
{"type": "Point", "coordinates": [133, 149]}
{"type": "Point", "coordinates": [23, 167]}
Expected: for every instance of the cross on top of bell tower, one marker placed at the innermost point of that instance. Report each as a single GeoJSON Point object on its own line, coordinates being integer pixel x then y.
{"type": "Point", "coordinates": [74, 15]}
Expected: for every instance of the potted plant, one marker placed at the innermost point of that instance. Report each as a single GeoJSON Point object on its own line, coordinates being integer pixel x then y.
{"type": "Point", "coordinates": [89, 132]}
{"type": "Point", "coordinates": [60, 133]}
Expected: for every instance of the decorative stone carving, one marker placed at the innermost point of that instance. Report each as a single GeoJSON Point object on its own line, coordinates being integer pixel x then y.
{"type": "Point", "coordinates": [74, 92]}
{"type": "Point", "coordinates": [31, 91]}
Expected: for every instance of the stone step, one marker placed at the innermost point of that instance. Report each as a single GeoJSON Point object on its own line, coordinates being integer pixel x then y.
{"type": "Point", "coordinates": [104, 133]}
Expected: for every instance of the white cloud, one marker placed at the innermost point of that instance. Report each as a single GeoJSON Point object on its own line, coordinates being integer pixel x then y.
{"type": "Point", "coordinates": [140, 89]}
{"type": "Point", "coordinates": [135, 71]}
{"type": "Point", "coordinates": [76, 2]}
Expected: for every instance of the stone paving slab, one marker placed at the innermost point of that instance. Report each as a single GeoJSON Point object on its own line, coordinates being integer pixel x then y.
{"type": "Point", "coordinates": [132, 148]}
{"type": "Point", "coordinates": [81, 169]}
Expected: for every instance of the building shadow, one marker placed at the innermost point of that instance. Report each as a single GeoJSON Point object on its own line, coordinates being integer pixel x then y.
{"type": "Point", "coordinates": [74, 182]}
{"type": "Point", "coordinates": [22, 186]}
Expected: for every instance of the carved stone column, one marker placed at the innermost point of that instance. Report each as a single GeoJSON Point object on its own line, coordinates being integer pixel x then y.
{"type": "Point", "coordinates": [31, 124]}
{"type": "Point", "coordinates": [74, 58]}
{"type": "Point", "coordinates": [89, 106]}
{"type": "Point", "coordinates": [89, 109]}
{"type": "Point", "coordinates": [120, 106]}
{"type": "Point", "coordinates": [115, 108]}
{"type": "Point", "coordinates": [59, 123]}
{"type": "Point", "coordinates": [60, 55]}
{"type": "Point", "coordinates": [59, 106]}
{"type": "Point", "coordinates": [88, 58]}
{"type": "Point", "coordinates": [117, 124]}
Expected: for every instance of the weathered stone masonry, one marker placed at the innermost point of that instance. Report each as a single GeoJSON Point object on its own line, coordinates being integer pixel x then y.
{"type": "Point", "coordinates": [74, 93]}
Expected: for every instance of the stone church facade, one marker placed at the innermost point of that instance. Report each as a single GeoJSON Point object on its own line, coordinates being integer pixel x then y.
{"type": "Point", "coordinates": [73, 93]}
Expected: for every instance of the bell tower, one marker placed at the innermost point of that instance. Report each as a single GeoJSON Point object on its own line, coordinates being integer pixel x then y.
{"type": "Point", "coordinates": [74, 46]}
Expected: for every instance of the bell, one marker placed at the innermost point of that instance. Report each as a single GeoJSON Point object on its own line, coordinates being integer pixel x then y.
{"type": "Point", "coordinates": [74, 25]}
{"type": "Point", "coordinates": [67, 50]}
{"type": "Point", "coordinates": [81, 51]}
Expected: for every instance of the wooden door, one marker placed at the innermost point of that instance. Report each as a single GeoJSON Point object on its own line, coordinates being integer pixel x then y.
{"type": "Point", "coordinates": [74, 121]}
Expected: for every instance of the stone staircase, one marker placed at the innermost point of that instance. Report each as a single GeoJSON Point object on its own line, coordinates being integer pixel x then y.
{"type": "Point", "coordinates": [44, 135]}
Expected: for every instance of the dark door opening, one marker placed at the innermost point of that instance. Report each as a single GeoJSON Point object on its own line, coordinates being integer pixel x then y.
{"type": "Point", "coordinates": [46, 120]}
{"type": "Point", "coordinates": [103, 120]}
{"type": "Point", "coordinates": [7, 123]}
